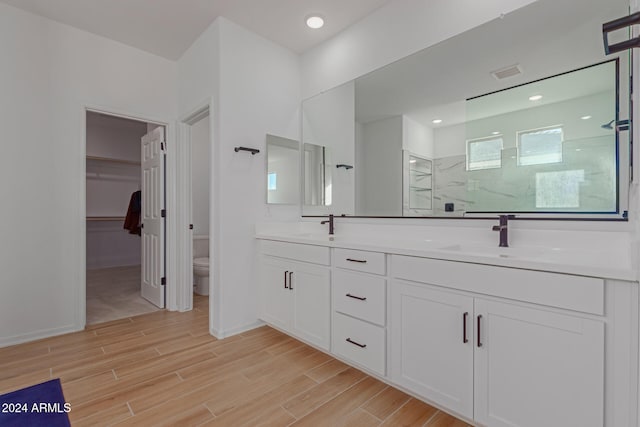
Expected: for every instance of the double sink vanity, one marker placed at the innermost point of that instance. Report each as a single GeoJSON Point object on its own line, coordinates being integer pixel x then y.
{"type": "Point", "coordinates": [496, 336]}
{"type": "Point", "coordinates": [504, 119]}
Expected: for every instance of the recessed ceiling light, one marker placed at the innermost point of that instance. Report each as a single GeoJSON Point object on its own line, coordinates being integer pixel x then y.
{"type": "Point", "coordinates": [315, 21]}
{"type": "Point", "coordinates": [578, 149]}
{"type": "Point", "coordinates": [495, 133]}
{"type": "Point", "coordinates": [412, 161]}
{"type": "Point", "coordinates": [436, 121]}
{"type": "Point", "coordinates": [585, 117]}
{"type": "Point", "coordinates": [535, 98]}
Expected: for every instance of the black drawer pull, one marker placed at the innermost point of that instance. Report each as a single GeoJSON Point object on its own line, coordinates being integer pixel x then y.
{"type": "Point", "coordinates": [290, 282]}
{"type": "Point", "coordinates": [355, 297]}
{"type": "Point", "coordinates": [361, 261]}
{"type": "Point", "coordinates": [356, 343]}
{"type": "Point", "coordinates": [464, 327]}
{"type": "Point", "coordinates": [285, 279]}
{"type": "Point", "coordinates": [479, 319]}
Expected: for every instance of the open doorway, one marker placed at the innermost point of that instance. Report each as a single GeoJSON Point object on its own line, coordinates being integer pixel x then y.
{"type": "Point", "coordinates": [200, 203]}
{"type": "Point", "coordinates": [124, 159]}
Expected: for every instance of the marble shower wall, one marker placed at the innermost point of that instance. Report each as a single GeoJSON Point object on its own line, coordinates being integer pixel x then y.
{"type": "Point", "coordinates": [585, 181]}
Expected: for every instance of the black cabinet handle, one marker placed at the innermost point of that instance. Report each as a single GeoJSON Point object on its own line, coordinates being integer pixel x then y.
{"type": "Point", "coordinates": [356, 297]}
{"type": "Point", "coordinates": [361, 261]}
{"type": "Point", "coordinates": [349, 340]}
{"type": "Point", "coordinates": [285, 279]}
{"type": "Point", "coordinates": [290, 282]}
{"type": "Point", "coordinates": [479, 319]}
{"type": "Point", "coordinates": [464, 327]}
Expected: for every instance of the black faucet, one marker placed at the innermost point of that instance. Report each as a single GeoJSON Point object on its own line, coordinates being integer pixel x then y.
{"type": "Point", "coordinates": [330, 224]}
{"type": "Point", "coordinates": [503, 229]}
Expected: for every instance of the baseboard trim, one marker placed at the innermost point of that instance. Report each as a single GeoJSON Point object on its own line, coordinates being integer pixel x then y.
{"type": "Point", "coordinates": [37, 335]}
{"type": "Point", "coordinates": [222, 334]}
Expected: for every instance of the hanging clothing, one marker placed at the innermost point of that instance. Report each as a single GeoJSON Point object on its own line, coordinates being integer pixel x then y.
{"type": "Point", "coordinates": [132, 220]}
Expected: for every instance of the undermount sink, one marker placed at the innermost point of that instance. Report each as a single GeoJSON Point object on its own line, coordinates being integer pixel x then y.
{"type": "Point", "coordinates": [495, 251]}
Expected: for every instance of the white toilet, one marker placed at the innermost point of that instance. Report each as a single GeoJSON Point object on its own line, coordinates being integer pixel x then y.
{"type": "Point", "coordinates": [201, 264]}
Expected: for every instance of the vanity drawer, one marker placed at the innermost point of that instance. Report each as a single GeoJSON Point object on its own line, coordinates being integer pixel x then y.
{"type": "Point", "coordinates": [360, 295]}
{"type": "Point", "coordinates": [566, 291]}
{"type": "Point", "coordinates": [360, 342]}
{"type": "Point", "coordinates": [296, 251]}
{"type": "Point", "coordinates": [369, 262]}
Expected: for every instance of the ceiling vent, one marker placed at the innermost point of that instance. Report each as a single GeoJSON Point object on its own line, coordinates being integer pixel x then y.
{"type": "Point", "coordinates": [510, 71]}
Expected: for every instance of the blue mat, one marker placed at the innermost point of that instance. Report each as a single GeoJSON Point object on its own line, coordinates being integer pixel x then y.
{"type": "Point", "coordinates": [35, 406]}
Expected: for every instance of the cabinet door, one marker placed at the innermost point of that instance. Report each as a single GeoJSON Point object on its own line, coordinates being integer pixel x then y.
{"type": "Point", "coordinates": [537, 368]}
{"type": "Point", "coordinates": [311, 304]}
{"type": "Point", "coordinates": [276, 300]}
{"type": "Point", "coordinates": [430, 353]}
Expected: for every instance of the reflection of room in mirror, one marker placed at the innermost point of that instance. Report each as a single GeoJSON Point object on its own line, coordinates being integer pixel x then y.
{"type": "Point", "coordinates": [542, 121]}
{"type": "Point", "coordinates": [283, 183]}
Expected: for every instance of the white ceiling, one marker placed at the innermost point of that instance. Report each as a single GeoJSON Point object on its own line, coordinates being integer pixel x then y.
{"type": "Point", "coordinates": [168, 27]}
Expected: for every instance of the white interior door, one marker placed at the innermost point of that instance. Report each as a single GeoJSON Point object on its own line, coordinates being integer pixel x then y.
{"type": "Point", "coordinates": [153, 216]}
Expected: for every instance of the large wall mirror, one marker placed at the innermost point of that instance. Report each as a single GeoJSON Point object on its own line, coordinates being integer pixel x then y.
{"type": "Point", "coordinates": [520, 115]}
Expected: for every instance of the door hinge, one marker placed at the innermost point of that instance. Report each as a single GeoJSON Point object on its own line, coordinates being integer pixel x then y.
{"type": "Point", "coordinates": [163, 281]}
{"type": "Point", "coordinates": [190, 226]}
{"type": "Point", "coordinates": [163, 213]}
{"type": "Point", "coordinates": [162, 146]}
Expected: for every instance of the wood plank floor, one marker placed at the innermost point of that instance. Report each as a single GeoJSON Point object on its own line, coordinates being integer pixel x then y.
{"type": "Point", "coordinates": [164, 368]}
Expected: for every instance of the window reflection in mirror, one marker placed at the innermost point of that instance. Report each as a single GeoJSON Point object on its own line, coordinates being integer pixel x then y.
{"type": "Point", "coordinates": [552, 152]}
{"type": "Point", "coordinates": [283, 158]}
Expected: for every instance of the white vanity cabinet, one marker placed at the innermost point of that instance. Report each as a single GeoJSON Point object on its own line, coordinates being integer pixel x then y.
{"type": "Point", "coordinates": [535, 368]}
{"type": "Point", "coordinates": [296, 290]}
{"type": "Point", "coordinates": [431, 345]}
{"type": "Point", "coordinates": [359, 308]}
{"type": "Point", "coordinates": [497, 361]}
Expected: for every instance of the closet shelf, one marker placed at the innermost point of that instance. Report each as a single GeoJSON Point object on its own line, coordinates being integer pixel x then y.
{"type": "Point", "coordinates": [107, 159]}
{"type": "Point", "coordinates": [105, 218]}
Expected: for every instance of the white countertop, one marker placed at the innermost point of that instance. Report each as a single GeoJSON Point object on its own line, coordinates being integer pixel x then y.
{"type": "Point", "coordinates": [587, 262]}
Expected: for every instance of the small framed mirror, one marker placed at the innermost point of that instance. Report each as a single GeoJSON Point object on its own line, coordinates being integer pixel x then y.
{"type": "Point", "coordinates": [283, 169]}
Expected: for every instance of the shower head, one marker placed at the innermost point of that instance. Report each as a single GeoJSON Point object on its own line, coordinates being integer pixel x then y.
{"type": "Point", "coordinates": [608, 125]}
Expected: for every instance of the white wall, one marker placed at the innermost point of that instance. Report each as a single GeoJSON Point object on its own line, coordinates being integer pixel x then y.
{"type": "Point", "coordinates": [379, 168]}
{"type": "Point", "coordinates": [49, 71]}
{"type": "Point", "coordinates": [114, 138]}
{"type": "Point", "coordinates": [394, 31]}
{"type": "Point", "coordinates": [200, 176]}
{"type": "Point", "coordinates": [417, 138]}
{"type": "Point", "coordinates": [255, 88]}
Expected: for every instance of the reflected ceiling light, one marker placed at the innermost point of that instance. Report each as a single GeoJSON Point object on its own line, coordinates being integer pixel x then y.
{"type": "Point", "coordinates": [535, 98]}
{"type": "Point", "coordinates": [578, 149]}
{"type": "Point", "coordinates": [412, 161]}
{"type": "Point", "coordinates": [436, 121]}
{"type": "Point", "coordinates": [315, 21]}
{"type": "Point", "coordinates": [585, 117]}
{"type": "Point", "coordinates": [495, 133]}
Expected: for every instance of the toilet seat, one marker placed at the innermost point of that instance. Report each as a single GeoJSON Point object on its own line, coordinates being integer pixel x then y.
{"type": "Point", "coordinates": [201, 262]}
